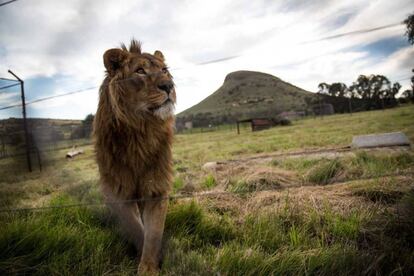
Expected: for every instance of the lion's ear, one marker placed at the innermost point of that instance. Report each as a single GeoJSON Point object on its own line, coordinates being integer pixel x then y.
{"type": "Point", "coordinates": [159, 55]}
{"type": "Point", "coordinates": [113, 59]}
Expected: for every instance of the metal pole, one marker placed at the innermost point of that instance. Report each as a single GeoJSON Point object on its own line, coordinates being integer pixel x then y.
{"type": "Point", "coordinates": [26, 132]}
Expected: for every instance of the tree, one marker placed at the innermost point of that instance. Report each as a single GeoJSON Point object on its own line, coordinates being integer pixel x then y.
{"type": "Point", "coordinates": [337, 89]}
{"type": "Point", "coordinates": [380, 86]}
{"type": "Point", "coordinates": [390, 99]}
{"type": "Point", "coordinates": [88, 119]}
{"type": "Point", "coordinates": [374, 90]}
{"type": "Point", "coordinates": [409, 22]}
{"type": "Point", "coordinates": [412, 81]}
{"type": "Point", "coordinates": [84, 130]}
{"type": "Point", "coordinates": [323, 88]}
{"type": "Point", "coordinates": [361, 87]}
{"type": "Point", "coordinates": [408, 95]}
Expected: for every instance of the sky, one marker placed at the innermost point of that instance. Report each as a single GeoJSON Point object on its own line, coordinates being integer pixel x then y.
{"type": "Point", "coordinates": [57, 46]}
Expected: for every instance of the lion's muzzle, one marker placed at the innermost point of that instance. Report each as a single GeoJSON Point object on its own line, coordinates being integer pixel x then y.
{"type": "Point", "coordinates": [167, 86]}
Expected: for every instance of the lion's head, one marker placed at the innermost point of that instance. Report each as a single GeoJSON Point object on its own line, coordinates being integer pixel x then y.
{"type": "Point", "coordinates": [139, 84]}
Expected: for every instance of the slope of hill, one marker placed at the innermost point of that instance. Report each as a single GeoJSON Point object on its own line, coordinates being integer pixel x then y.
{"type": "Point", "coordinates": [247, 94]}
{"type": "Point", "coordinates": [12, 125]}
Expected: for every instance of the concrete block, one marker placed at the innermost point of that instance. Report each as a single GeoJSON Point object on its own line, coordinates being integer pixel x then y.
{"type": "Point", "coordinates": [380, 140]}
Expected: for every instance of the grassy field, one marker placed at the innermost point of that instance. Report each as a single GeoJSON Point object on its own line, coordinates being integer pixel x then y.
{"type": "Point", "coordinates": [349, 213]}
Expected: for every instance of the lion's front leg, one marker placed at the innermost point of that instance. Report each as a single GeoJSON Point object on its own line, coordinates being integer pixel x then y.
{"type": "Point", "coordinates": [129, 218]}
{"type": "Point", "coordinates": [154, 220]}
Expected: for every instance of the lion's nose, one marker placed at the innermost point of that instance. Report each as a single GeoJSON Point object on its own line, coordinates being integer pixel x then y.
{"type": "Point", "coordinates": [166, 86]}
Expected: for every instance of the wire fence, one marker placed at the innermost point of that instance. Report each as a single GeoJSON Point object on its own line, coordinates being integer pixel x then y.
{"type": "Point", "coordinates": [184, 196]}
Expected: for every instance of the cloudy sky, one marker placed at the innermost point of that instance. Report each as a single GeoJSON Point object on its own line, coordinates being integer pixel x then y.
{"type": "Point", "coordinates": [57, 46]}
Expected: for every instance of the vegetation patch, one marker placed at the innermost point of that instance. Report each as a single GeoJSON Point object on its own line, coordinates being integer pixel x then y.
{"type": "Point", "coordinates": [391, 238]}
{"type": "Point", "coordinates": [65, 241]}
{"type": "Point", "coordinates": [319, 231]}
{"type": "Point", "coordinates": [296, 164]}
{"type": "Point", "coordinates": [262, 179]}
{"type": "Point", "coordinates": [178, 184]}
{"type": "Point", "coordinates": [363, 165]}
{"type": "Point", "coordinates": [199, 228]}
{"type": "Point", "coordinates": [209, 182]}
{"type": "Point", "coordinates": [325, 172]}
{"type": "Point", "coordinates": [385, 191]}
{"type": "Point", "coordinates": [260, 184]}
{"type": "Point", "coordinates": [372, 165]}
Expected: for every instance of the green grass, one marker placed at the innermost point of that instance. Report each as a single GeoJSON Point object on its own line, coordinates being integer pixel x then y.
{"type": "Point", "coordinates": [365, 164]}
{"type": "Point", "coordinates": [384, 191]}
{"type": "Point", "coordinates": [332, 131]}
{"type": "Point", "coordinates": [294, 239]}
{"type": "Point", "coordinates": [362, 164]}
{"type": "Point", "coordinates": [325, 172]}
{"type": "Point", "coordinates": [359, 227]}
{"type": "Point", "coordinates": [178, 184]}
{"type": "Point", "coordinates": [197, 227]}
{"type": "Point", "coordinates": [209, 182]}
{"type": "Point", "coordinates": [253, 185]}
{"type": "Point", "coordinates": [68, 241]}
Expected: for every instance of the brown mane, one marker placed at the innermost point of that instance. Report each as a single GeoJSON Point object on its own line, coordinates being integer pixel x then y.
{"type": "Point", "coordinates": [128, 147]}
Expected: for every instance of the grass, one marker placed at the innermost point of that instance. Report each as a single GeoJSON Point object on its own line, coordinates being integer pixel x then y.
{"type": "Point", "coordinates": [290, 241]}
{"type": "Point", "coordinates": [363, 226]}
{"type": "Point", "coordinates": [209, 182]}
{"type": "Point", "coordinates": [384, 191]}
{"type": "Point", "coordinates": [366, 164]}
{"type": "Point", "coordinates": [294, 239]}
{"type": "Point", "coordinates": [325, 172]}
{"type": "Point", "coordinates": [48, 243]}
{"type": "Point", "coordinates": [178, 184]}
{"type": "Point", "coordinates": [252, 185]}
{"type": "Point", "coordinates": [322, 171]}
{"type": "Point", "coordinates": [332, 131]}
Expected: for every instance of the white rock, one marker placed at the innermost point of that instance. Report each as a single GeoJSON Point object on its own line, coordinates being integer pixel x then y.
{"type": "Point", "coordinates": [380, 140]}
{"type": "Point", "coordinates": [210, 166]}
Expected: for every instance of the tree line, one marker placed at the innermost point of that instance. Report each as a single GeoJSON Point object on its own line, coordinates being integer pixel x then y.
{"type": "Point", "coordinates": [367, 92]}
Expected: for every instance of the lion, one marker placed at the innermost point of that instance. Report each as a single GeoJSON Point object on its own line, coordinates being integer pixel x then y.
{"type": "Point", "coordinates": [133, 133]}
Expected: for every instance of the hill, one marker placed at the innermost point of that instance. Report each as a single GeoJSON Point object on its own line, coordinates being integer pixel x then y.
{"type": "Point", "coordinates": [15, 125]}
{"type": "Point", "coordinates": [248, 94]}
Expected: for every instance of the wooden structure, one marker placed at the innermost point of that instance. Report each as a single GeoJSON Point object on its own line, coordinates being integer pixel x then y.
{"type": "Point", "coordinates": [256, 124]}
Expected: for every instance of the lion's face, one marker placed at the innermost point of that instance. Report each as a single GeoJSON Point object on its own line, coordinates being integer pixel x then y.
{"type": "Point", "coordinates": [140, 83]}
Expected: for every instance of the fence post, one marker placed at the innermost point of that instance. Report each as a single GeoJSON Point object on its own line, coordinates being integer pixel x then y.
{"type": "Point", "coordinates": [26, 132]}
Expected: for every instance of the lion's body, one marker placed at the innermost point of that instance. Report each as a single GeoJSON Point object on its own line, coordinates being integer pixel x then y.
{"type": "Point", "coordinates": [130, 158]}
{"type": "Point", "coordinates": [133, 132]}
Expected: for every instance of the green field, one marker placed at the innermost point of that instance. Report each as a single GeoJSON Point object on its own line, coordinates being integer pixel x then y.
{"type": "Point", "coordinates": [346, 214]}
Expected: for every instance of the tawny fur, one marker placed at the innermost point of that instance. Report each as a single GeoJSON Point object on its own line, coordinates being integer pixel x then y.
{"type": "Point", "coordinates": [133, 134]}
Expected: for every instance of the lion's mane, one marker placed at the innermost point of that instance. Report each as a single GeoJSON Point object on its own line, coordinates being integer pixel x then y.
{"type": "Point", "coordinates": [133, 151]}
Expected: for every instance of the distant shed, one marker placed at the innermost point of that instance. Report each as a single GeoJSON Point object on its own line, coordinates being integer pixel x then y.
{"type": "Point", "coordinates": [256, 124]}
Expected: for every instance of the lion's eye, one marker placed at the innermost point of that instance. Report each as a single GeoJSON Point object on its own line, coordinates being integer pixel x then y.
{"type": "Point", "coordinates": [165, 70]}
{"type": "Point", "coordinates": [141, 71]}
